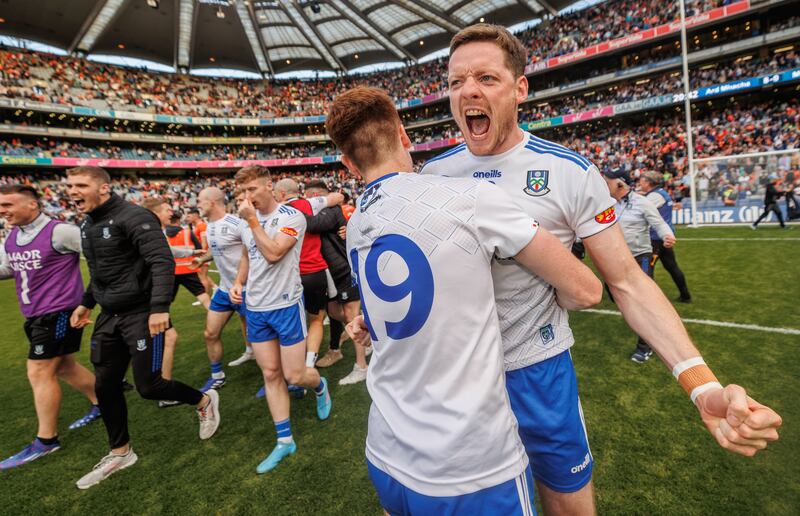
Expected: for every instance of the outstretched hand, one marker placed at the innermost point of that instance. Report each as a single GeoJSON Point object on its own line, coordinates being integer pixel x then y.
{"type": "Point", "coordinates": [739, 423]}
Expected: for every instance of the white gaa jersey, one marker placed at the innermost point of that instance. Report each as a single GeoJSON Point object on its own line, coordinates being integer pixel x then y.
{"type": "Point", "coordinates": [421, 249]}
{"type": "Point", "coordinates": [271, 286]}
{"type": "Point", "coordinates": [568, 196]}
{"type": "Point", "coordinates": [224, 237]}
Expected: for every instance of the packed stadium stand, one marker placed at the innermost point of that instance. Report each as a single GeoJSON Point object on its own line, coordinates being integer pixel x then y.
{"type": "Point", "coordinates": [604, 80]}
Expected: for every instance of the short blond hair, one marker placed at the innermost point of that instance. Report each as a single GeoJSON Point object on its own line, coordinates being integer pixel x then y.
{"type": "Point", "coordinates": [250, 173]}
{"type": "Point", "coordinates": [96, 173]}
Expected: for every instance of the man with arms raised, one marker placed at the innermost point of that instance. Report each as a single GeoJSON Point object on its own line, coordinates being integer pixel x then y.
{"type": "Point", "coordinates": [131, 270]}
{"type": "Point", "coordinates": [270, 270]}
{"type": "Point", "coordinates": [567, 195]}
{"type": "Point", "coordinates": [442, 438]}
{"type": "Point", "coordinates": [42, 255]}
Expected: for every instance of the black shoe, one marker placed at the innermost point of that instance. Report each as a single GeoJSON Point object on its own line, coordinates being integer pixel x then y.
{"type": "Point", "coordinates": [168, 403]}
{"type": "Point", "coordinates": [640, 357]}
{"type": "Point", "coordinates": [682, 299]}
{"type": "Point", "coordinates": [127, 386]}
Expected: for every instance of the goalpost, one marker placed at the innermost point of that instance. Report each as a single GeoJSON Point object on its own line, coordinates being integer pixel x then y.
{"type": "Point", "coordinates": [730, 189]}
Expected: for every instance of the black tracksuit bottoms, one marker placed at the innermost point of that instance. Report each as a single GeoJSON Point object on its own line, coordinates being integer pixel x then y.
{"type": "Point", "coordinates": [117, 341]}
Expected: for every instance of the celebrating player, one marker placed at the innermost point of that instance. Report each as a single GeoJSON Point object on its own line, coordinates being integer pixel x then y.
{"type": "Point", "coordinates": [42, 255]}
{"type": "Point", "coordinates": [270, 270]}
{"type": "Point", "coordinates": [567, 195]}
{"type": "Point", "coordinates": [131, 270]}
{"type": "Point", "coordinates": [442, 438]}
{"type": "Point", "coordinates": [223, 234]}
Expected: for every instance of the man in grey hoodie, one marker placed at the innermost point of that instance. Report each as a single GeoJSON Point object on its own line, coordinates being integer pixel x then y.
{"type": "Point", "coordinates": [636, 215]}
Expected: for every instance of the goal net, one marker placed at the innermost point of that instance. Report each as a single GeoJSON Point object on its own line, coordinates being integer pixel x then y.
{"type": "Point", "coordinates": [730, 189]}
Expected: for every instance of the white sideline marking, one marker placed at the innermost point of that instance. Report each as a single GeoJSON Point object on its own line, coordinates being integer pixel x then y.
{"type": "Point", "coordinates": [738, 239]}
{"type": "Point", "coordinates": [708, 322]}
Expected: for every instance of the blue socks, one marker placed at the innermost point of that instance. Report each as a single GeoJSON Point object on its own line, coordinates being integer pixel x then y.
{"type": "Point", "coordinates": [216, 370]}
{"type": "Point", "coordinates": [319, 389]}
{"type": "Point", "coordinates": [284, 431]}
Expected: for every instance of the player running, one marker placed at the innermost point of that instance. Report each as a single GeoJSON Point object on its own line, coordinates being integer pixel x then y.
{"type": "Point", "coordinates": [270, 270]}
{"type": "Point", "coordinates": [224, 236]}
{"type": "Point", "coordinates": [442, 438]}
{"type": "Point", "coordinates": [567, 195]}
{"type": "Point", "coordinates": [42, 255]}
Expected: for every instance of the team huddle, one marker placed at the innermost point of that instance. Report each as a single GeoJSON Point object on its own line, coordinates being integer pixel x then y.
{"type": "Point", "coordinates": [463, 281]}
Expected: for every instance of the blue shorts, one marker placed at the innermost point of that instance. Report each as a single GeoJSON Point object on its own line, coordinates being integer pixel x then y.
{"type": "Point", "coordinates": [221, 302]}
{"type": "Point", "coordinates": [511, 498]}
{"type": "Point", "coordinates": [288, 325]}
{"type": "Point", "coordinates": [544, 398]}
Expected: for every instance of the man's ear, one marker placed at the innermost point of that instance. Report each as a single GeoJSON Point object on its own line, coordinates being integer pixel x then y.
{"type": "Point", "coordinates": [522, 89]}
{"type": "Point", "coordinates": [351, 166]}
{"type": "Point", "coordinates": [404, 139]}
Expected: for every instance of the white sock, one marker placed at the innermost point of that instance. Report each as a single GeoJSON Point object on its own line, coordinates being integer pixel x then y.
{"type": "Point", "coordinates": [286, 440]}
{"type": "Point", "coordinates": [218, 375]}
{"type": "Point", "coordinates": [311, 358]}
{"type": "Point", "coordinates": [248, 349]}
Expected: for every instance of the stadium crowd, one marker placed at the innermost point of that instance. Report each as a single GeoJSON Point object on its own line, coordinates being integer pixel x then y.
{"type": "Point", "coordinates": [180, 193]}
{"type": "Point", "coordinates": [76, 81]}
{"type": "Point", "coordinates": [758, 127]}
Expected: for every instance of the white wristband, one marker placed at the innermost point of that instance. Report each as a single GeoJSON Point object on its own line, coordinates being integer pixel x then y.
{"type": "Point", "coordinates": [700, 389]}
{"type": "Point", "coordinates": [686, 364]}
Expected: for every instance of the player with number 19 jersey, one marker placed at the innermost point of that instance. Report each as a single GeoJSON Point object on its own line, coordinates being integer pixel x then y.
{"type": "Point", "coordinates": [421, 249]}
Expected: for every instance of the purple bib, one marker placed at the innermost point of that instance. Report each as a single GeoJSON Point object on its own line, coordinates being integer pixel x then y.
{"type": "Point", "coordinates": [47, 281]}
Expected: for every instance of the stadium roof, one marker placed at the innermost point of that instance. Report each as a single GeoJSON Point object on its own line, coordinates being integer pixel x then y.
{"type": "Point", "coordinates": [263, 36]}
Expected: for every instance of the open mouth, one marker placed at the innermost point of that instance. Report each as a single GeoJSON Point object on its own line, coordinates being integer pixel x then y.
{"type": "Point", "coordinates": [478, 122]}
{"type": "Point", "coordinates": [79, 203]}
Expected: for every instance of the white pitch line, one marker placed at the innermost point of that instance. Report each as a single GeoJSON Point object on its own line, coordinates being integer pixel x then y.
{"type": "Point", "coordinates": [708, 322]}
{"type": "Point", "coordinates": [692, 239]}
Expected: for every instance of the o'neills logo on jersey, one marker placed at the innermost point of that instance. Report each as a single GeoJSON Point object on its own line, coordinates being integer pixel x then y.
{"type": "Point", "coordinates": [289, 231]}
{"type": "Point", "coordinates": [490, 174]}
{"type": "Point", "coordinates": [606, 217]}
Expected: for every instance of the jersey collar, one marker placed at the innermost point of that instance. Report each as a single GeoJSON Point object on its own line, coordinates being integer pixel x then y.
{"type": "Point", "coordinates": [378, 180]}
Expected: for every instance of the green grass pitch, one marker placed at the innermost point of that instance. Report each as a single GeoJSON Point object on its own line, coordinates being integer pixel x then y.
{"type": "Point", "coordinates": [652, 454]}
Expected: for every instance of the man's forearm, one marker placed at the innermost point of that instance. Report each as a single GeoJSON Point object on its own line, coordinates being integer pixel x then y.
{"type": "Point", "coordinates": [243, 269]}
{"type": "Point", "coordinates": [266, 246]}
{"type": "Point", "coordinates": [650, 314]}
